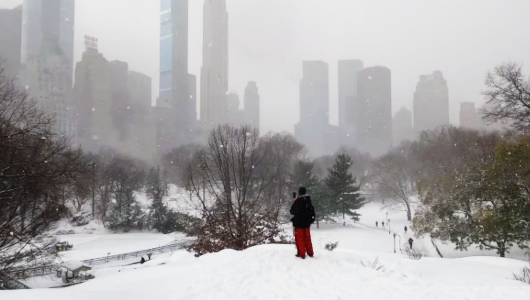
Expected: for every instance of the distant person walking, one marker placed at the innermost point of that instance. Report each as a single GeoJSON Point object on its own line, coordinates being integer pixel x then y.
{"type": "Point", "coordinates": [304, 216]}
{"type": "Point", "coordinates": [405, 229]}
{"type": "Point", "coordinates": [383, 223]}
{"type": "Point", "coordinates": [410, 242]}
{"type": "Point", "coordinates": [376, 224]}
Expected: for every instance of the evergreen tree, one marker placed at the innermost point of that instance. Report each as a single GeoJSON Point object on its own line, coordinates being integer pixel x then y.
{"type": "Point", "coordinates": [303, 176]}
{"type": "Point", "coordinates": [156, 189]}
{"type": "Point", "coordinates": [343, 191]}
{"type": "Point", "coordinates": [126, 214]}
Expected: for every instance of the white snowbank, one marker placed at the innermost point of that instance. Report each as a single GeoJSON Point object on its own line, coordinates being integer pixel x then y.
{"type": "Point", "coordinates": [272, 272]}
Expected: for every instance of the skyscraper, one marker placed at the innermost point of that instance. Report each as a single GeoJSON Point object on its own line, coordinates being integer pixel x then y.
{"type": "Point", "coordinates": [313, 128]}
{"type": "Point", "coordinates": [314, 93]}
{"type": "Point", "coordinates": [93, 99]}
{"type": "Point", "coordinates": [113, 107]}
{"type": "Point", "coordinates": [348, 70]}
{"type": "Point", "coordinates": [141, 116]}
{"type": "Point", "coordinates": [252, 105]}
{"type": "Point", "coordinates": [431, 102]}
{"type": "Point", "coordinates": [402, 126]}
{"type": "Point", "coordinates": [174, 57]}
{"type": "Point", "coordinates": [374, 113]}
{"type": "Point", "coordinates": [47, 53]}
{"type": "Point", "coordinates": [192, 91]}
{"type": "Point", "coordinates": [214, 71]}
{"type": "Point", "coordinates": [10, 40]}
{"type": "Point", "coordinates": [48, 29]}
{"type": "Point", "coordinates": [468, 116]}
{"type": "Point", "coordinates": [234, 115]}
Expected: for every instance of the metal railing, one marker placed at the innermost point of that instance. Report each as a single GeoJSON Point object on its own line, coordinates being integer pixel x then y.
{"type": "Point", "coordinates": [34, 271]}
{"type": "Point", "coordinates": [110, 258]}
{"type": "Point", "coordinates": [52, 269]}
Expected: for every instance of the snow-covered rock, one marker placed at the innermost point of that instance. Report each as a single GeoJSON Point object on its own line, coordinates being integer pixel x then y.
{"type": "Point", "coordinates": [81, 218]}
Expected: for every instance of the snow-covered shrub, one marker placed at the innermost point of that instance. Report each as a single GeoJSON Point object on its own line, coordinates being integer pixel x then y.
{"type": "Point", "coordinates": [127, 217]}
{"type": "Point", "coordinates": [331, 246]}
{"type": "Point", "coordinates": [524, 276]}
{"type": "Point", "coordinates": [213, 236]}
{"type": "Point", "coordinates": [81, 218]}
{"type": "Point", "coordinates": [64, 232]}
{"type": "Point", "coordinates": [413, 254]}
{"type": "Point", "coordinates": [374, 265]}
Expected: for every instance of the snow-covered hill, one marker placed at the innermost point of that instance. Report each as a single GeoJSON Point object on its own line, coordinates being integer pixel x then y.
{"type": "Point", "coordinates": [272, 272]}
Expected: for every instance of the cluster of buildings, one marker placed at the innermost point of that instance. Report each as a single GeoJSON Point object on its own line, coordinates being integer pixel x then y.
{"type": "Point", "coordinates": [365, 109]}
{"type": "Point", "coordinates": [103, 104]}
{"type": "Point", "coordinates": [100, 103]}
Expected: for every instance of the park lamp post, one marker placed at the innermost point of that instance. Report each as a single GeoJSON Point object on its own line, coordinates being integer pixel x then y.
{"type": "Point", "coordinates": [387, 222]}
{"type": "Point", "coordinates": [394, 242]}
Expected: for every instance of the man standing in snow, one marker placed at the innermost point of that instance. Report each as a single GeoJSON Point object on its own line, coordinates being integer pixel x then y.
{"type": "Point", "coordinates": [376, 224]}
{"type": "Point", "coordinates": [410, 242]}
{"type": "Point", "coordinates": [304, 216]}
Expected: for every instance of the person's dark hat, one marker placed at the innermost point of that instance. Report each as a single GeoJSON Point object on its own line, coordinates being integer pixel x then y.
{"type": "Point", "coordinates": [301, 191]}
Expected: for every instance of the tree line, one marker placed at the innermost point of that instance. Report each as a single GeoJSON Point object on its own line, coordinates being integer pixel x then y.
{"type": "Point", "coordinates": [43, 180]}
{"type": "Point", "coordinates": [471, 186]}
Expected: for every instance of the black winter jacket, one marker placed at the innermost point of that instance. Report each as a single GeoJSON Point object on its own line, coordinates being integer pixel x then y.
{"type": "Point", "coordinates": [303, 211]}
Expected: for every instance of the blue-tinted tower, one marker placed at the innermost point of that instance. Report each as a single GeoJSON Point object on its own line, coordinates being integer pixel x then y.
{"type": "Point", "coordinates": [174, 58]}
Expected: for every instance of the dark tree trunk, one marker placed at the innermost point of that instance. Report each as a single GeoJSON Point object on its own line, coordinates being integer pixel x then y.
{"type": "Point", "coordinates": [502, 252]}
{"type": "Point", "coordinates": [436, 247]}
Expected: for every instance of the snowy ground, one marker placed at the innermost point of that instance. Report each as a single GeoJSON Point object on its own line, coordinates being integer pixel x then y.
{"type": "Point", "coordinates": [272, 271]}
{"type": "Point", "coordinates": [371, 212]}
{"type": "Point", "coordinates": [100, 245]}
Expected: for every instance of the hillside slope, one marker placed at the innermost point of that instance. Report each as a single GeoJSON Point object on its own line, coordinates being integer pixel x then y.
{"type": "Point", "coordinates": [272, 272]}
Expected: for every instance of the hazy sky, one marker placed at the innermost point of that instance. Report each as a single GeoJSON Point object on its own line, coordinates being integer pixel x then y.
{"type": "Point", "coordinates": [270, 38]}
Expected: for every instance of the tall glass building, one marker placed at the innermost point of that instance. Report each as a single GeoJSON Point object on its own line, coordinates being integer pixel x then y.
{"type": "Point", "coordinates": [174, 53]}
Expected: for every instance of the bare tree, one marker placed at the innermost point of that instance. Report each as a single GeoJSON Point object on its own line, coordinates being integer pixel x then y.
{"type": "Point", "coordinates": [508, 96]}
{"type": "Point", "coordinates": [82, 184]}
{"type": "Point", "coordinates": [231, 193]}
{"type": "Point", "coordinates": [176, 162]}
{"type": "Point", "coordinates": [284, 150]}
{"type": "Point", "coordinates": [446, 150]}
{"type": "Point", "coordinates": [394, 177]}
{"type": "Point", "coordinates": [103, 183]}
{"type": "Point", "coordinates": [36, 168]}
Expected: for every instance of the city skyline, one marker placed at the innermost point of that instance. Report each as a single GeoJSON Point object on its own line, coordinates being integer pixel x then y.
{"type": "Point", "coordinates": [254, 45]}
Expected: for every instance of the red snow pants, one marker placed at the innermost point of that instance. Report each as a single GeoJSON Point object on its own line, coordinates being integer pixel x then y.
{"type": "Point", "coordinates": [302, 239]}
